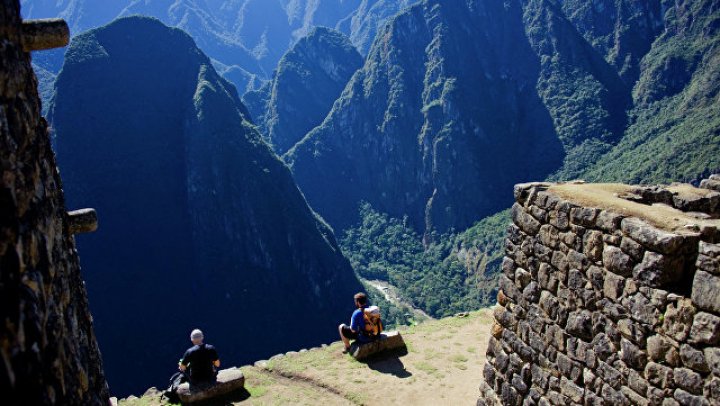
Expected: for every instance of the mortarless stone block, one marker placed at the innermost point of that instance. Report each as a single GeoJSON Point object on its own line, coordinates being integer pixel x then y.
{"type": "Point", "coordinates": [705, 329]}
{"type": "Point", "coordinates": [391, 340]}
{"type": "Point", "coordinates": [706, 291]}
{"type": "Point", "coordinates": [228, 381]}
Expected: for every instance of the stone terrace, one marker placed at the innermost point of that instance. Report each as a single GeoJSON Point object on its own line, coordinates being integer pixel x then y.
{"type": "Point", "coordinates": [610, 294]}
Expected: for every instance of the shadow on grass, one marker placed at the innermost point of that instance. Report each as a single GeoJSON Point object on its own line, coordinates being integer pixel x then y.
{"type": "Point", "coordinates": [389, 363]}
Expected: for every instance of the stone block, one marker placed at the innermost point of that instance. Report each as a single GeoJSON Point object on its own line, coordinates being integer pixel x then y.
{"type": "Point", "coordinates": [603, 346]}
{"type": "Point", "coordinates": [579, 324]}
{"type": "Point", "coordinates": [688, 380]}
{"type": "Point", "coordinates": [641, 309]}
{"type": "Point", "coordinates": [612, 396]}
{"type": "Point", "coordinates": [608, 221]}
{"type": "Point", "coordinates": [710, 250]}
{"type": "Point", "coordinates": [693, 358]}
{"type": "Point", "coordinates": [678, 319]}
{"type": "Point", "coordinates": [659, 375]}
{"type": "Point", "coordinates": [609, 374]}
{"type": "Point", "coordinates": [508, 267]}
{"type": "Point", "coordinates": [613, 286]}
{"type": "Point", "coordinates": [632, 248]}
{"type": "Point", "coordinates": [504, 317]}
{"type": "Point", "coordinates": [546, 278]}
{"type": "Point", "coordinates": [593, 245]}
{"type": "Point", "coordinates": [596, 276]}
{"type": "Point", "coordinates": [616, 261]}
{"type": "Point", "coordinates": [584, 216]}
{"type": "Point", "coordinates": [705, 329]}
{"type": "Point", "coordinates": [392, 340]}
{"type": "Point", "coordinates": [576, 280]}
{"type": "Point", "coordinates": [708, 264]}
{"type": "Point", "coordinates": [712, 390]}
{"type": "Point", "coordinates": [632, 355]}
{"type": "Point", "coordinates": [688, 399]}
{"type": "Point", "coordinates": [710, 184]}
{"type": "Point", "coordinates": [706, 291]}
{"type": "Point", "coordinates": [657, 270]}
{"type": "Point", "coordinates": [531, 293]}
{"type": "Point", "coordinates": [571, 390]}
{"type": "Point", "coordinates": [549, 236]}
{"type": "Point", "coordinates": [712, 356]}
{"type": "Point", "coordinates": [653, 238]}
{"type": "Point", "coordinates": [634, 398]}
{"type": "Point", "coordinates": [657, 347]}
{"type": "Point", "coordinates": [228, 381]}
{"type": "Point", "coordinates": [526, 222]}
{"type": "Point", "coordinates": [636, 382]}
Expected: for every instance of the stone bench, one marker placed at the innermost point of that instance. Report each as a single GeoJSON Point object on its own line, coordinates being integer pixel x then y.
{"type": "Point", "coordinates": [228, 380]}
{"type": "Point", "coordinates": [391, 340]}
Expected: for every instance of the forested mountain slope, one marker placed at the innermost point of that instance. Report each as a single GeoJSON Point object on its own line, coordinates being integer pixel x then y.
{"type": "Point", "coordinates": [201, 225]}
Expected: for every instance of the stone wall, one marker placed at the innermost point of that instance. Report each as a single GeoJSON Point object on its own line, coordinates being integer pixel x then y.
{"type": "Point", "coordinates": [610, 294]}
{"type": "Point", "coordinates": [48, 352]}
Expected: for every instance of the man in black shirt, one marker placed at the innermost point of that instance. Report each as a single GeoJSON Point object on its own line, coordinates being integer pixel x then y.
{"type": "Point", "coordinates": [200, 361]}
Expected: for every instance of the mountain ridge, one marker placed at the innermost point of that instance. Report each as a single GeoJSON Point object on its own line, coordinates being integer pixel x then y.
{"type": "Point", "coordinates": [164, 141]}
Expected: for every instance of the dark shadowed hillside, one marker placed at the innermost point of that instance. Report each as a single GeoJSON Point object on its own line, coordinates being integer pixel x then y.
{"type": "Point", "coordinates": [201, 225]}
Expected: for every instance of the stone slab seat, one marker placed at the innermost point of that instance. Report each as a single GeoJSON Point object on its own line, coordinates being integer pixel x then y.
{"type": "Point", "coordinates": [391, 340]}
{"type": "Point", "coordinates": [228, 380]}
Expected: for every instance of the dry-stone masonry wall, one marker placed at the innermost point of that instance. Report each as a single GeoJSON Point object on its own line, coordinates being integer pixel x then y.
{"type": "Point", "coordinates": [48, 352]}
{"type": "Point", "coordinates": [610, 295]}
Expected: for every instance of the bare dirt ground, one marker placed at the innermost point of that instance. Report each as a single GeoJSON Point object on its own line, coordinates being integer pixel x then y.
{"type": "Point", "coordinates": [443, 365]}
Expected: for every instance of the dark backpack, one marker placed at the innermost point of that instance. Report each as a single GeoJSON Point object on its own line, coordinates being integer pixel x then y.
{"type": "Point", "coordinates": [175, 381]}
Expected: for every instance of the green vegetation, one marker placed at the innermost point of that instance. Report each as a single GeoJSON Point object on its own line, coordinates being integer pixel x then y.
{"type": "Point", "coordinates": [454, 273]}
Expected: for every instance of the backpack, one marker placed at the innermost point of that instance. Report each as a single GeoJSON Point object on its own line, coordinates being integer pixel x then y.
{"type": "Point", "coordinates": [175, 381]}
{"type": "Point", "coordinates": [373, 323]}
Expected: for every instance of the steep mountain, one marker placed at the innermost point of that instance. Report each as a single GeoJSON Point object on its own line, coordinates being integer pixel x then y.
{"type": "Point", "coordinates": [620, 30]}
{"type": "Point", "coordinates": [201, 225]}
{"type": "Point", "coordinates": [246, 38]}
{"type": "Point", "coordinates": [309, 78]}
{"type": "Point", "coordinates": [369, 17]}
{"type": "Point", "coordinates": [674, 133]}
{"type": "Point", "coordinates": [442, 118]}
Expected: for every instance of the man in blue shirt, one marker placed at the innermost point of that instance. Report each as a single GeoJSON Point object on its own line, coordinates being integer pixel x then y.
{"type": "Point", "coordinates": [356, 330]}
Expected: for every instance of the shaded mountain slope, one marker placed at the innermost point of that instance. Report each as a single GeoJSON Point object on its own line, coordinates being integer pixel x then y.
{"type": "Point", "coordinates": [201, 224]}
{"type": "Point", "coordinates": [309, 78]}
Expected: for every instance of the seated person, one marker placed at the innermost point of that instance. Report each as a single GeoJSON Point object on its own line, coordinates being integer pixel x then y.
{"type": "Point", "coordinates": [200, 361]}
{"type": "Point", "coordinates": [356, 330]}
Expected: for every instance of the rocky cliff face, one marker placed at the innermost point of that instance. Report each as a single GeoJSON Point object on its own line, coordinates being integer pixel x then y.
{"type": "Point", "coordinates": [443, 117]}
{"type": "Point", "coordinates": [49, 352]}
{"type": "Point", "coordinates": [309, 78]}
{"type": "Point", "coordinates": [202, 225]}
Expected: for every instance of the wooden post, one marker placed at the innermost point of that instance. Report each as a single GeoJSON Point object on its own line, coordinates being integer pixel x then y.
{"type": "Point", "coordinates": [44, 34]}
{"type": "Point", "coordinates": [82, 221]}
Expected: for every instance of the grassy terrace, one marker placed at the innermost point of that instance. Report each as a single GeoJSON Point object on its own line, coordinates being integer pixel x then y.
{"type": "Point", "coordinates": [443, 365]}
